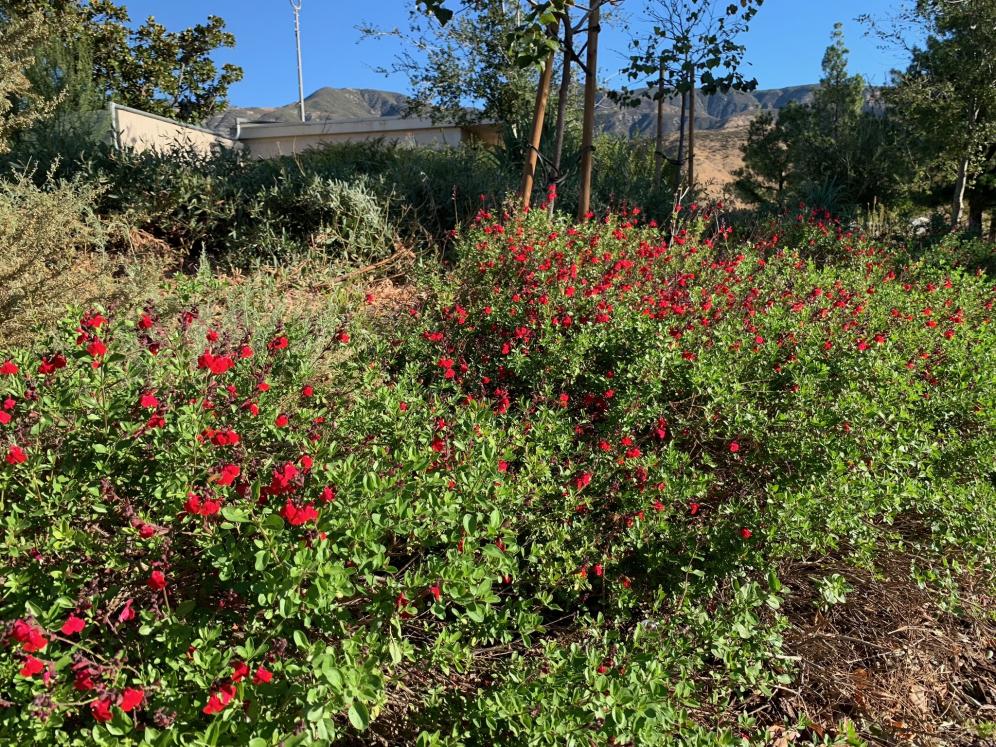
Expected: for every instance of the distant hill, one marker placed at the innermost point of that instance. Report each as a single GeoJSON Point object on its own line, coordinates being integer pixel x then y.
{"type": "Point", "coordinates": [325, 103]}
{"type": "Point", "coordinates": [715, 112]}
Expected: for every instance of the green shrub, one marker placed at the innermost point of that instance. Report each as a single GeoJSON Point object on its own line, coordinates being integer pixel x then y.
{"type": "Point", "coordinates": [546, 504]}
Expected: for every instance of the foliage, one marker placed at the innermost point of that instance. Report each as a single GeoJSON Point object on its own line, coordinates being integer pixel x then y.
{"type": "Point", "coordinates": [840, 152]}
{"type": "Point", "coordinates": [694, 44]}
{"type": "Point", "coordinates": [543, 504]}
{"type": "Point", "coordinates": [947, 99]}
{"type": "Point", "coordinates": [53, 245]}
{"type": "Point", "coordinates": [91, 53]}
{"type": "Point", "coordinates": [464, 71]}
{"type": "Point", "coordinates": [20, 104]}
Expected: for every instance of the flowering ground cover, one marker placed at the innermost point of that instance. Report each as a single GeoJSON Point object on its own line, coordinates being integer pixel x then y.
{"type": "Point", "coordinates": [554, 499]}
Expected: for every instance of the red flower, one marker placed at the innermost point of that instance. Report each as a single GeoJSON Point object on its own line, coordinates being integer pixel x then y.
{"type": "Point", "coordinates": [502, 466]}
{"type": "Point", "coordinates": [438, 445]}
{"type": "Point", "coordinates": [31, 638]}
{"type": "Point", "coordinates": [277, 343]}
{"type": "Point", "coordinates": [262, 675]}
{"type": "Point", "coordinates": [734, 447]}
{"type": "Point", "coordinates": [245, 352]}
{"type": "Point", "coordinates": [436, 592]}
{"type": "Point", "coordinates": [693, 508]}
{"type": "Point", "coordinates": [73, 624]}
{"type": "Point", "coordinates": [240, 670]}
{"type": "Point", "coordinates": [283, 479]}
{"type": "Point", "coordinates": [131, 698]}
{"type": "Point", "coordinates": [228, 474]}
{"type": "Point", "coordinates": [297, 516]}
{"type": "Point", "coordinates": [145, 322]}
{"type": "Point", "coordinates": [148, 401]}
{"type": "Point", "coordinates": [96, 348]}
{"type": "Point", "coordinates": [219, 700]}
{"type": "Point", "coordinates": [215, 364]}
{"type": "Point", "coordinates": [746, 533]}
{"type": "Point", "coordinates": [157, 580]}
{"type": "Point", "coordinates": [403, 407]}
{"type": "Point", "coordinates": [32, 666]}
{"type": "Point", "coordinates": [281, 421]}
{"type": "Point", "coordinates": [101, 710]}
{"type": "Point", "coordinates": [126, 613]}
{"type": "Point", "coordinates": [8, 368]}
{"type": "Point", "coordinates": [16, 455]}
{"type": "Point", "coordinates": [306, 462]}
{"type": "Point", "coordinates": [328, 494]}
{"type": "Point", "coordinates": [200, 507]}
{"type": "Point", "coordinates": [344, 337]}
{"type": "Point", "coordinates": [307, 391]}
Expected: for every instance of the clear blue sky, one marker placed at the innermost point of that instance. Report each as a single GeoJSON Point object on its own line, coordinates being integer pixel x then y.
{"type": "Point", "coordinates": [784, 46]}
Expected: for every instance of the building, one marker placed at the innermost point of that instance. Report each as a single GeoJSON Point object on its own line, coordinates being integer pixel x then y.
{"type": "Point", "coordinates": [140, 131]}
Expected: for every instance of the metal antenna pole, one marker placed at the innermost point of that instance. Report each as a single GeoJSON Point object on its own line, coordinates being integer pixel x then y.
{"type": "Point", "coordinates": [296, 5]}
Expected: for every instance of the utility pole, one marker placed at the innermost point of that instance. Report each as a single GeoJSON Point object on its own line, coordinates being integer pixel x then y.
{"type": "Point", "coordinates": [296, 5]}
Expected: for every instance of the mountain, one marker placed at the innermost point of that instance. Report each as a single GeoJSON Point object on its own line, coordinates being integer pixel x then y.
{"type": "Point", "coordinates": [325, 103]}
{"type": "Point", "coordinates": [714, 112]}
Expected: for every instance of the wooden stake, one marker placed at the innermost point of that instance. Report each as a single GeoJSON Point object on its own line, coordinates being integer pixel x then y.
{"type": "Point", "coordinates": [691, 137]}
{"type": "Point", "coordinates": [532, 154]}
{"type": "Point", "coordinates": [588, 120]}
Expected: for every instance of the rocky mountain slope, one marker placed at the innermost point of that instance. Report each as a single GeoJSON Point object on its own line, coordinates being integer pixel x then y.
{"type": "Point", "coordinates": [715, 112]}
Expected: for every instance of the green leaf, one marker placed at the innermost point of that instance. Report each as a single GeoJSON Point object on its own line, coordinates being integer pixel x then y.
{"type": "Point", "coordinates": [235, 515]}
{"type": "Point", "coordinates": [359, 717]}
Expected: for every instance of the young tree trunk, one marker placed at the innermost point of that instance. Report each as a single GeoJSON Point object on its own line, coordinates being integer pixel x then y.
{"type": "Point", "coordinates": [680, 170]}
{"type": "Point", "coordinates": [532, 153]}
{"type": "Point", "coordinates": [588, 120]}
{"type": "Point", "coordinates": [992, 226]}
{"type": "Point", "coordinates": [562, 97]}
{"type": "Point", "coordinates": [958, 200]}
{"type": "Point", "coordinates": [659, 142]}
{"type": "Point", "coordinates": [691, 136]}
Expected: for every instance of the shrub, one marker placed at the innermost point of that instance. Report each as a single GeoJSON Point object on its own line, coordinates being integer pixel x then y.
{"type": "Point", "coordinates": [546, 504]}
{"type": "Point", "coordinates": [52, 244]}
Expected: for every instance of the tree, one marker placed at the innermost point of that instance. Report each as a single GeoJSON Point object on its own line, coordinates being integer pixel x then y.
{"type": "Point", "coordinates": [947, 95]}
{"type": "Point", "coordinates": [464, 70]}
{"type": "Point", "coordinates": [93, 47]}
{"type": "Point", "coordinates": [838, 152]}
{"type": "Point", "coordinates": [20, 103]}
{"type": "Point", "coordinates": [694, 45]}
{"type": "Point", "coordinates": [770, 155]}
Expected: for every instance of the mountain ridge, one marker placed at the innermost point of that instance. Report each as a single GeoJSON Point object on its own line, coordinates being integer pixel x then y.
{"type": "Point", "coordinates": [713, 112]}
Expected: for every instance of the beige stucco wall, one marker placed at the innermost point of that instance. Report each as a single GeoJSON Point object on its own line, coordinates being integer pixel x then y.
{"type": "Point", "coordinates": [141, 131]}
{"type": "Point", "coordinates": [272, 147]}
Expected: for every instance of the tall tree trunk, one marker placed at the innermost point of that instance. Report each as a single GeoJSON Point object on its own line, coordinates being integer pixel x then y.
{"type": "Point", "coordinates": [992, 226]}
{"type": "Point", "coordinates": [562, 97]}
{"type": "Point", "coordinates": [680, 170]}
{"type": "Point", "coordinates": [588, 121]}
{"type": "Point", "coordinates": [659, 141]}
{"type": "Point", "coordinates": [532, 154]}
{"type": "Point", "coordinates": [691, 136]}
{"type": "Point", "coordinates": [958, 200]}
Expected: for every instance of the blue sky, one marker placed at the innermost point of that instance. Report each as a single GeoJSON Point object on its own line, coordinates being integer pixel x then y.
{"type": "Point", "coordinates": [784, 46]}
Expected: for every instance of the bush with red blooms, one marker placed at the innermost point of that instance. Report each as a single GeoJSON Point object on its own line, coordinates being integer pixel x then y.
{"type": "Point", "coordinates": [545, 501]}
